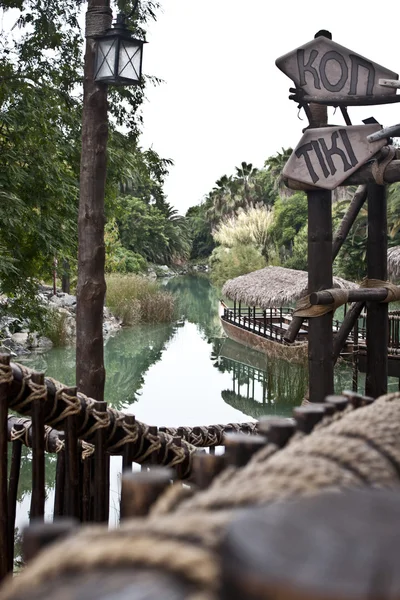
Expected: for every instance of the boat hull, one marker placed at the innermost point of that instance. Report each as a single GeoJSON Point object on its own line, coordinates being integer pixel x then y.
{"type": "Point", "coordinates": [296, 352]}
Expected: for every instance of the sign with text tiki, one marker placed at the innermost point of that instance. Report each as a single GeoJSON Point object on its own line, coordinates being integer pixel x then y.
{"type": "Point", "coordinates": [325, 157]}
{"type": "Point", "coordinates": [327, 73]}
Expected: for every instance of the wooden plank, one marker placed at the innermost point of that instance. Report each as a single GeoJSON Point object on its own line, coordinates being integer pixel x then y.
{"type": "Point", "coordinates": [326, 156]}
{"type": "Point", "coordinates": [327, 72]}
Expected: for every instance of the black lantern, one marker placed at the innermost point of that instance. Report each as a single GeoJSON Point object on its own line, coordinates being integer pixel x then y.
{"type": "Point", "coordinates": [119, 56]}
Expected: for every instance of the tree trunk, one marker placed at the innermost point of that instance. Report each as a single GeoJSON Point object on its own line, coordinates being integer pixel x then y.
{"type": "Point", "coordinates": [90, 373]}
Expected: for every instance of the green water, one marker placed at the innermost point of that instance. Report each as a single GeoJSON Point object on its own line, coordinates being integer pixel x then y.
{"type": "Point", "coordinates": [185, 373]}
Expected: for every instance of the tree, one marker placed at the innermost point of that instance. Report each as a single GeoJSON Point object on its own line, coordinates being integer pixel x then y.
{"type": "Point", "coordinates": [202, 242]}
{"type": "Point", "coordinates": [275, 165]}
{"type": "Point", "coordinates": [290, 215]}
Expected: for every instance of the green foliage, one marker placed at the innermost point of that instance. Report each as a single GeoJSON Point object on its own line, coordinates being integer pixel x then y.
{"type": "Point", "coordinates": [55, 327]}
{"type": "Point", "coordinates": [161, 236]}
{"type": "Point", "coordinates": [40, 141]}
{"type": "Point", "coordinates": [298, 259]}
{"type": "Point", "coordinates": [135, 299]}
{"type": "Point", "coordinates": [200, 232]}
{"type": "Point", "coordinates": [227, 263]}
{"type": "Point", "coordinates": [290, 215]}
{"type": "Point", "coordinates": [118, 258]}
{"type": "Point", "coordinates": [350, 262]}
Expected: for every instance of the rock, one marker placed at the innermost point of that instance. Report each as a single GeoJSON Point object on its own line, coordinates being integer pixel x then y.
{"type": "Point", "coordinates": [63, 300]}
{"type": "Point", "coordinates": [20, 338]}
{"type": "Point", "coordinates": [5, 350]}
{"type": "Point", "coordinates": [151, 274]}
{"type": "Point", "coordinates": [13, 347]}
{"type": "Point", "coordinates": [45, 343]}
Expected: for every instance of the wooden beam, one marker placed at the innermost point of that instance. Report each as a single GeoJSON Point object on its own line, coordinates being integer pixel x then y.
{"type": "Point", "coordinates": [377, 314]}
{"type": "Point", "coordinates": [320, 335]}
{"type": "Point", "coordinates": [363, 294]}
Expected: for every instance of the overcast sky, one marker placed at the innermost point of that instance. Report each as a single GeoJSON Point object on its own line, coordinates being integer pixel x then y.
{"type": "Point", "coordinates": [224, 100]}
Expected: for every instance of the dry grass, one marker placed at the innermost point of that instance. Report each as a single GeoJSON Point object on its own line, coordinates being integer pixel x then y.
{"type": "Point", "coordinates": [136, 299]}
{"type": "Point", "coordinates": [248, 227]}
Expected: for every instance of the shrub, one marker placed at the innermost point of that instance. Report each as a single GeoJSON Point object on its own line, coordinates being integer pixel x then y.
{"type": "Point", "coordinates": [248, 227]}
{"type": "Point", "coordinates": [135, 299]}
{"type": "Point", "coordinates": [54, 327]}
{"type": "Point", "coordinates": [227, 263]}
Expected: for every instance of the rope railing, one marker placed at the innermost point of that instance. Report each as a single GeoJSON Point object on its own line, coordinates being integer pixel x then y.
{"type": "Point", "coordinates": [337, 446]}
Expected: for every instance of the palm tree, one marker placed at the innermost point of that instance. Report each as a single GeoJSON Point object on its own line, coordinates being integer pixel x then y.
{"type": "Point", "coordinates": [246, 184]}
{"type": "Point", "coordinates": [275, 164]}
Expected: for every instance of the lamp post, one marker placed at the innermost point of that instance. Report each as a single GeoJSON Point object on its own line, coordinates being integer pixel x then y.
{"type": "Point", "coordinates": [112, 56]}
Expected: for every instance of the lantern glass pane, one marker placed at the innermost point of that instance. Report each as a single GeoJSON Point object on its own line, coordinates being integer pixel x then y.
{"type": "Point", "coordinates": [129, 60]}
{"type": "Point", "coordinates": [106, 58]}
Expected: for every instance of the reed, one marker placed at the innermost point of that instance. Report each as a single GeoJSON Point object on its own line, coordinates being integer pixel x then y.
{"type": "Point", "coordinates": [136, 299]}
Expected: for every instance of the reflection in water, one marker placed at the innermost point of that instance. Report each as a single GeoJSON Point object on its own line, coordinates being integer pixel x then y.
{"type": "Point", "coordinates": [275, 389]}
{"type": "Point", "coordinates": [184, 373]}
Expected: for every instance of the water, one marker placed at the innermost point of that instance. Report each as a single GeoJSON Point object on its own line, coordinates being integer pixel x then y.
{"type": "Point", "coordinates": [185, 373]}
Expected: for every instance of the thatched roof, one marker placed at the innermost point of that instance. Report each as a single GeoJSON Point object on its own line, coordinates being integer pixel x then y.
{"type": "Point", "coordinates": [273, 286]}
{"type": "Point", "coordinates": [393, 262]}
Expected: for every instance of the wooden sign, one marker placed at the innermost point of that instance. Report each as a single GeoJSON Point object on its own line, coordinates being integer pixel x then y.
{"type": "Point", "coordinates": [328, 73]}
{"type": "Point", "coordinates": [325, 157]}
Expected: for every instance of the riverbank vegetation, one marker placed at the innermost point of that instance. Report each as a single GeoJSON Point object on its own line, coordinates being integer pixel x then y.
{"type": "Point", "coordinates": [135, 299]}
{"type": "Point", "coordinates": [246, 221]}
{"type": "Point", "coordinates": [250, 220]}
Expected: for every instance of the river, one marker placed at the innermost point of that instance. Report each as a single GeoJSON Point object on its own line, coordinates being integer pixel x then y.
{"type": "Point", "coordinates": [185, 373]}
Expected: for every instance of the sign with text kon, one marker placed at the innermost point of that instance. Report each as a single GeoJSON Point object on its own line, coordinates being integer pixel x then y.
{"type": "Point", "coordinates": [328, 73]}
{"type": "Point", "coordinates": [325, 157]}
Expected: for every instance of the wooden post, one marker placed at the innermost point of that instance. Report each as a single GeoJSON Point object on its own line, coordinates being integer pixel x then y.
{"type": "Point", "coordinates": [239, 447]}
{"type": "Point", "coordinates": [140, 490]}
{"type": "Point", "coordinates": [278, 430]}
{"type": "Point", "coordinates": [86, 467]}
{"type": "Point", "coordinates": [101, 486]}
{"type": "Point", "coordinates": [91, 288]}
{"type": "Point", "coordinates": [320, 335]}
{"type": "Point", "coordinates": [307, 417]}
{"type": "Point", "coordinates": [72, 463]}
{"type": "Point", "coordinates": [39, 535]}
{"type": "Point", "coordinates": [4, 559]}
{"type": "Point", "coordinates": [206, 467]}
{"type": "Point", "coordinates": [349, 322]}
{"type": "Point", "coordinates": [38, 459]}
{"type": "Point", "coordinates": [15, 469]}
{"type": "Point", "coordinates": [59, 492]}
{"type": "Point", "coordinates": [127, 455]}
{"type": "Point", "coordinates": [377, 314]}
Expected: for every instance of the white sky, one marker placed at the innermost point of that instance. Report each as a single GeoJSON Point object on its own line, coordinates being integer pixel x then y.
{"type": "Point", "coordinates": [224, 100]}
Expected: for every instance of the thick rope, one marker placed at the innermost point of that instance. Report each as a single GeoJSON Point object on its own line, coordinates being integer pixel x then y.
{"type": "Point", "coordinates": [210, 435]}
{"type": "Point", "coordinates": [378, 167]}
{"type": "Point", "coordinates": [360, 448]}
{"type": "Point", "coordinates": [305, 309]}
{"type": "Point", "coordinates": [6, 374]}
{"type": "Point", "coordinates": [393, 291]}
{"type": "Point", "coordinates": [164, 446]}
{"type": "Point", "coordinates": [98, 20]}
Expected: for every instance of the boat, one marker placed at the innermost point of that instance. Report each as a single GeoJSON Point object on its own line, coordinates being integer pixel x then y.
{"type": "Point", "coordinates": [263, 310]}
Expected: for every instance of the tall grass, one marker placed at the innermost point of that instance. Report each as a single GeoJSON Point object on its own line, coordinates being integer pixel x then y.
{"type": "Point", "coordinates": [135, 299]}
{"type": "Point", "coordinates": [248, 227]}
{"type": "Point", "coordinates": [54, 327]}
